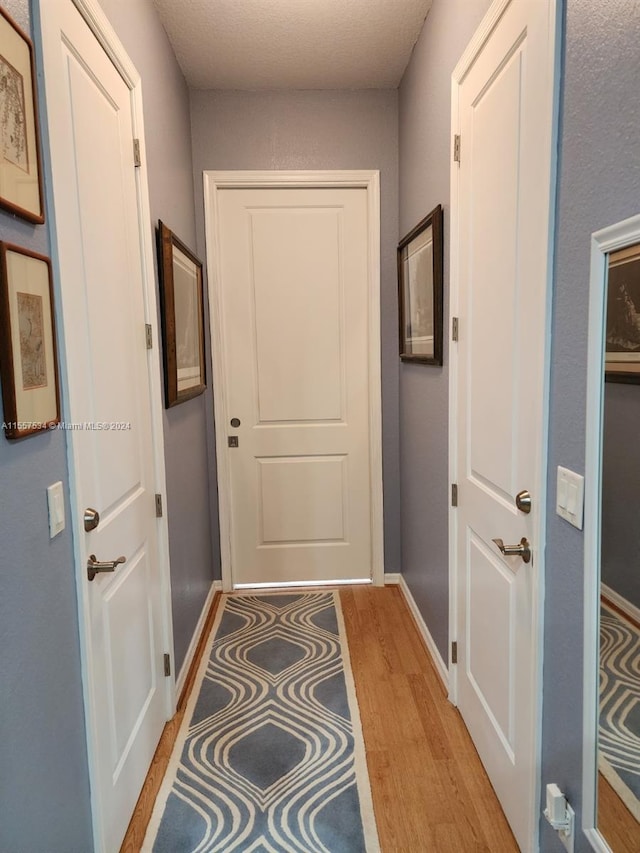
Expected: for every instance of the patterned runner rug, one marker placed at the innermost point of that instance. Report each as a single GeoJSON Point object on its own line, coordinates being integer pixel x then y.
{"type": "Point", "coordinates": [270, 755]}
{"type": "Point", "coordinates": [619, 736]}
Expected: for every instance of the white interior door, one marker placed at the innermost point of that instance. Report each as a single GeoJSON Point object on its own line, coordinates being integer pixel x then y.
{"type": "Point", "coordinates": [294, 303]}
{"type": "Point", "coordinates": [110, 406]}
{"type": "Point", "coordinates": [502, 200]}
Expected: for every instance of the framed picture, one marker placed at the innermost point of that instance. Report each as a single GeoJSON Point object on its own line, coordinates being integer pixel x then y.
{"type": "Point", "coordinates": [28, 359]}
{"type": "Point", "coordinates": [420, 291]}
{"type": "Point", "coordinates": [182, 319]}
{"type": "Point", "coordinates": [622, 356]}
{"type": "Point", "coordinates": [20, 168]}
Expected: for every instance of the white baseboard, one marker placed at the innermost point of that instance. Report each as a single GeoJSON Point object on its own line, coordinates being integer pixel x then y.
{"type": "Point", "coordinates": [421, 625]}
{"type": "Point", "coordinates": [615, 598]}
{"type": "Point", "coordinates": [216, 586]}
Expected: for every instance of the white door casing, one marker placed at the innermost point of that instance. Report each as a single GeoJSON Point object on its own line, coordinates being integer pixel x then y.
{"type": "Point", "coordinates": [502, 195]}
{"type": "Point", "coordinates": [293, 262]}
{"type": "Point", "coordinates": [105, 283]}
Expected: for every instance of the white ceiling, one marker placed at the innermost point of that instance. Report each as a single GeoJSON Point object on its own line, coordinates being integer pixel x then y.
{"type": "Point", "coordinates": [293, 44]}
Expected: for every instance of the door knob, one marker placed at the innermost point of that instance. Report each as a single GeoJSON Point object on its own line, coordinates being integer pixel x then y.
{"type": "Point", "coordinates": [522, 550]}
{"type": "Point", "coordinates": [95, 566]}
{"type": "Point", "coordinates": [523, 501]}
{"type": "Point", "coordinates": [91, 519]}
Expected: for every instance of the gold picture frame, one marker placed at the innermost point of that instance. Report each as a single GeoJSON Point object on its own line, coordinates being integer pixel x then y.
{"type": "Point", "coordinates": [20, 163]}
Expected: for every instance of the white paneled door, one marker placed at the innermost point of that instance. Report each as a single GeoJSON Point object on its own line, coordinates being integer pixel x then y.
{"type": "Point", "coordinates": [111, 405]}
{"type": "Point", "coordinates": [293, 288]}
{"type": "Point", "coordinates": [502, 198]}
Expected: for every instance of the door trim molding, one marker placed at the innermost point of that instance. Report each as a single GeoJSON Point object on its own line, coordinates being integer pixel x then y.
{"type": "Point", "coordinates": [99, 25]}
{"type": "Point", "coordinates": [606, 240]}
{"type": "Point", "coordinates": [214, 181]}
{"type": "Point", "coordinates": [551, 83]}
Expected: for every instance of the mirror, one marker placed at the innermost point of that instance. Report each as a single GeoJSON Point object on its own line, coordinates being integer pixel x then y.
{"type": "Point", "coordinates": [612, 544]}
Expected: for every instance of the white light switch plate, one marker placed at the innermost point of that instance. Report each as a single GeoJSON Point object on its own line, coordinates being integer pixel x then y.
{"type": "Point", "coordinates": [55, 499]}
{"type": "Point", "coordinates": [570, 496]}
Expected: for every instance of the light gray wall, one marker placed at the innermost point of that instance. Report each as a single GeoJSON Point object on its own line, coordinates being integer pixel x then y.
{"type": "Point", "coordinates": [425, 161]}
{"type": "Point", "coordinates": [318, 130]}
{"type": "Point", "coordinates": [192, 534]}
{"type": "Point", "coordinates": [599, 184]}
{"type": "Point", "coordinates": [44, 783]}
{"type": "Point", "coordinates": [620, 502]}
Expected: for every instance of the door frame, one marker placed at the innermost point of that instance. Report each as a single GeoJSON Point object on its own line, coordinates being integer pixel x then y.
{"type": "Point", "coordinates": [551, 93]}
{"type": "Point", "coordinates": [110, 42]}
{"type": "Point", "coordinates": [214, 181]}
{"type": "Point", "coordinates": [603, 242]}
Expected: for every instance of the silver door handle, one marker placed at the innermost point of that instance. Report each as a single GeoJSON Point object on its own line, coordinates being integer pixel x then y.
{"type": "Point", "coordinates": [522, 550]}
{"type": "Point", "coordinates": [95, 566]}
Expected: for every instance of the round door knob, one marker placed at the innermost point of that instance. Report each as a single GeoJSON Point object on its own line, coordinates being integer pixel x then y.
{"type": "Point", "coordinates": [235, 422]}
{"type": "Point", "coordinates": [91, 519]}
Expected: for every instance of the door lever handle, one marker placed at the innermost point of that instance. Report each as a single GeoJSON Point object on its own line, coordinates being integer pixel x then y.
{"type": "Point", "coordinates": [95, 566]}
{"type": "Point", "coordinates": [522, 550]}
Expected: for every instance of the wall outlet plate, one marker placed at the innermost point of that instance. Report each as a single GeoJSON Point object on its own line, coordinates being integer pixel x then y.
{"type": "Point", "coordinates": [55, 500]}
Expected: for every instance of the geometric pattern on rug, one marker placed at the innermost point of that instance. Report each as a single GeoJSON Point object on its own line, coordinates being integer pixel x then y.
{"type": "Point", "coordinates": [619, 727]}
{"type": "Point", "coordinates": [270, 756]}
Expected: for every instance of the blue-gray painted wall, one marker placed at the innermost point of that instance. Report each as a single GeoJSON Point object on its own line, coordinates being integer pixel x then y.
{"type": "Point", "coordinates": [620, 480]}
{"type": "Point", "coordinates": [425, 163]}
{"type": "Point", "coordinates": [599, 184]}
{"type": "Point", "coordinates": [44, 782]}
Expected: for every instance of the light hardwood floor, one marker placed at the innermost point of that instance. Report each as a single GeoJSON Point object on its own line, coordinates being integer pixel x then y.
{"type": "Point", "coordinates": [430, 791]}
{"type": "Point", "coordinates": [615, 821]}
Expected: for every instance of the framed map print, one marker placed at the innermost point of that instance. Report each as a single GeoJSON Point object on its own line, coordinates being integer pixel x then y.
{"type": "Point", "coordinates": [20, 170]}
{"type": "Point", "coordinates": [28, 360]}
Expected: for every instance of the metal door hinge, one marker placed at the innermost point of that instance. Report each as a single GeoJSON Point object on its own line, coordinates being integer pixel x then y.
{"type": "Point", "coordinates": [454, 494]}
{"type": "Point", "coordinates": [456, 148]}
{"type": "Point", "coordinates": [454, 653]}
{"type": "Point", "coordinates": [167, 665]}
{"type": "Point", "coordinates": [455, 328]}
{"type": "Point", "coordinates": [137, 159]}
{"type": "Point", "coordinates": [149, 333]}
{"type": "Point", "coordinates": [159, 512]}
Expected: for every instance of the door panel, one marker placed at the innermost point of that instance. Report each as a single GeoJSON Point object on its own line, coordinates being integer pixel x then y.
{"type": "Point", "coordinates": [505, 109]}
{"type": "Point", "coordinates": [294, 282]}
{"type": "Point", "coordinates": [109, 404]}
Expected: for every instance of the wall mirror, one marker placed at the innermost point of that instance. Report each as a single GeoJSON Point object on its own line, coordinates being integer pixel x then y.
{"type": "Point", "coordinates": [611, 783]}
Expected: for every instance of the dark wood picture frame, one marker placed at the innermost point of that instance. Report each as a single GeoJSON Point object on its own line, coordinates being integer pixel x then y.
{"type": "Point", "coordinates": [182, 309]}
{"type": "Point", "coordinates": [28, 353]}
{"type": "Point", "coordinates": [622, 333]}
{"type": "Point", "coordinates": [420, 291]}
{"type": "Point", "coordinates": [21, 188]}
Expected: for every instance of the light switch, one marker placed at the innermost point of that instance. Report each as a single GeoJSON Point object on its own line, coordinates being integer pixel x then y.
{"type": "Point", "coordinates": [570, 496]}
{"type": "Point", "coordinates": [55, 499]}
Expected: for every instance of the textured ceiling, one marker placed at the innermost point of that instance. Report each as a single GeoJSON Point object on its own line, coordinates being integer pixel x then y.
{"type": "Point", "coordinates": [293, 44]}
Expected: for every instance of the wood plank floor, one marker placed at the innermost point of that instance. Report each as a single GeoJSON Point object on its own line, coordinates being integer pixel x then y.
{"type": "Point", "coordinates": [430, 791]}
{"type": "Point", "coordinates": [615, 821]}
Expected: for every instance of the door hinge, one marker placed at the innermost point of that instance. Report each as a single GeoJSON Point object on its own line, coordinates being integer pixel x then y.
{"type": "Point", "coordinates": [454, 494]}
{"type": "Point", "coordinates": [455, 328]}
{"type": "Point", "coordinates": [167, 664]}
{"type": "Point", "coordinates": [159, 506]}
{"type": "Point", "coordinates": [456, 148]}
{"type": "Point", "coordinates": [137, 159]}
{"type": "Point", "coordinates": [149, 333]}
{"type": "Point", "coordinates": [454, 652]}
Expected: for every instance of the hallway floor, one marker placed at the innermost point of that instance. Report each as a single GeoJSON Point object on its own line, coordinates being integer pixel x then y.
{"type": "Point", "coordinates": [430, 791]}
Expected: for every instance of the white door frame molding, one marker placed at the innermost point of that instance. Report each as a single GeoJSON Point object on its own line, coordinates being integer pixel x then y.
{"type": "Point", "coordinates": [108, 39]}
{"type": "Point", "coordinates": [215, 181]}
{"type": "Point", "coordinates": [603, 242]}
{"type": "Point", "coordinates": [551, 94]}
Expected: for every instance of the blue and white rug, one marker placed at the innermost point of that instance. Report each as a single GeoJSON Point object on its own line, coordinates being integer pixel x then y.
{"type": "Point", "coordinates": [619, 735]}
{"type": "Point", "coordinates": [270, 756]}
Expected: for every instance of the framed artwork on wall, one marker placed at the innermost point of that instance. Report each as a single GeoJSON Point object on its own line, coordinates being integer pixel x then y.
{"type": "Point", "coordinates": [420, 291]}
{"type": "Point", "coordinates": [181, 299]}
{"type": "Point", "coordinates": [622, 356]}
{"type": "Point", "coordinates": [28, 358]}
{"type": "Point", "coordinates": [20, 167]}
